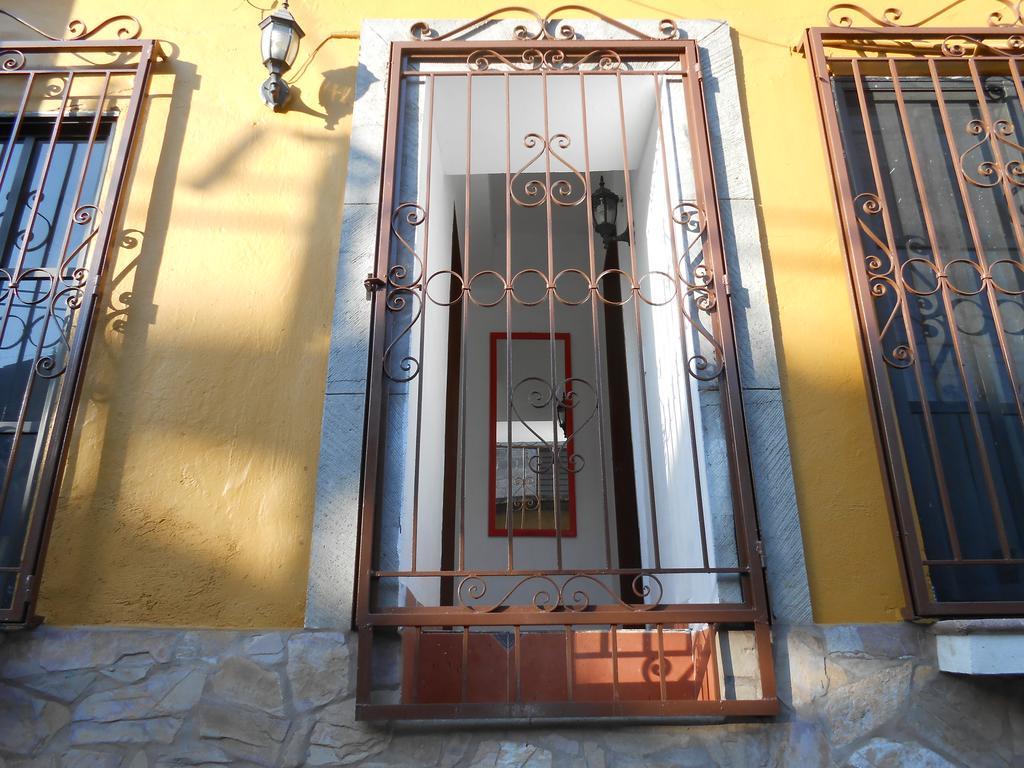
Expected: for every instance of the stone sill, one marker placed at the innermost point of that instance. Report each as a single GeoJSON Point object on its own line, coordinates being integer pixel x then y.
{"type": "Point", "coordinates": [980, 646]}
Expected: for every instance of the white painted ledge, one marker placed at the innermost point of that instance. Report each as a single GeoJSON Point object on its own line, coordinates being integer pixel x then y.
{"type": "Point", "coordinates": [981, 647]}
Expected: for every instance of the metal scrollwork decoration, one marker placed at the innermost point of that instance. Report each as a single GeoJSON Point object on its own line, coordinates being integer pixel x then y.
{"type": "Point", "coordinates": [994, 171]}
{"type": "Point", "coordinates": [850, 15]}
{"type": "Point", "coordinates": [123, 26]}
{"type": "Point", "coordinates": [548, 27]}
{"type": "Point", "coordinates": [576, 396]}
{"type": "Point", "coordinates": [536, 192]}
{"type": "Point", "coordinates": [535, 60]}
{"type": "Point", "coordinates": [885, 281]}
{"type": "Point", "coordinates": [571, 595]}
{"type": "Point", "coordinates": [698, 290]}
{"type": "Point", "coordinates": [404, 283]}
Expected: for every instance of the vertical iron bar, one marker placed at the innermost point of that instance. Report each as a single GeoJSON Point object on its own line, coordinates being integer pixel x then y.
{"type": "Point", "coordinates": [465, 324]}
{"type": "Point", "coordinates": [375, 391]}
{"type": "Point", "coordinates": [16, 128]}
{"type": "Point", "coordinates": [634, 291]}
{"type": "Point", "coordinates": [681, 298]}
{"type": "Point", "coordinates": [595, 327]}
{"type": "Point", "coordinates": [570, 660]}
{"type": "Point", "coordinates": [465, 665]}
{"type": "Point", "coordinates": [615, 662]}
{"type": "Point", "coordinates": [661, 662]}
{"type": "Point", "coordinates": [754, 588]}
{"type": "Point", "coordinates": [509, 521]}
{"type": "Point", "coordinates": [557, 506]}
{"type": "Point", "coordinates": [423, 277]}
{"type": "Point", "coordinates": [518, 660]}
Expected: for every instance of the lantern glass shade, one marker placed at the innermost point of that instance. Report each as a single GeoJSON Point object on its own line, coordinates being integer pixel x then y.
{"type": "Point", "coordinates": [280, 41]}
{"type": "Point", "coordinates": [606, 207]}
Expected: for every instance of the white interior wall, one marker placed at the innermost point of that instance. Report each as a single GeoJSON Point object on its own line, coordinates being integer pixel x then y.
{"type": "Point", "coordinates": [672, 443]}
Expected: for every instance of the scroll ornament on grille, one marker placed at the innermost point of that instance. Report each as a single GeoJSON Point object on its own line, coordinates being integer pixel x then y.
{"type": "Point", "coordinates": [570, 595]}
{"type": "Point", "coordinates": [534, 60]}
{"type": "Point", "coordinates": [122, 26]}
{"type": "Point", "coordinates": [854, 15]}
{"type": "Point", "coordinates": [547, 27]}
{"type": "Point", "coordinates": [573, 396]}
{"type": "Point", "coordinates": [699, 291]}
{"type": "Point", "coordinates": [536, 192]}
{"type": "Point", "coordinates": [404, 283]}
{"type": "Point", "coordinates": [59, 293]}
{"type": "Point", "coordinates": [885, 281]}
{"type": "Point", "coordinates": [994, 171]}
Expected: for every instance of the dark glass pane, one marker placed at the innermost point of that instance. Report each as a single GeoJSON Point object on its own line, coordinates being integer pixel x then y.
{"type": "Point", "coordinates": [943, 237]}
{"type": "Point", "coordinates": [49, 216]}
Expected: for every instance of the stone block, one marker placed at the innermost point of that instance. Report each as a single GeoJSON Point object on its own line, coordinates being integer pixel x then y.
{"type": "Point", "coordinates": [511, 754]}
{"type": "Point", "coordinates": [337, 739]}
{"type": "Point", "coordinates": [318, 668]}
{"type": "Point", "coordinates": [726, 122]}
{"type": "Point", "coordinates": [332, 562]}
{"type": "Point", "coordinates": [191, 753]}
{"type": "Point", "coordinates": [87, 758]}
{"type": "Point", "coordinates": [855, 709]}
{"type": "Point", "coordinates": [777, 511]}
{"type": "Point", "coordinates": [800, 668]}
{"type": "Point", "coordinates": [27, 722]}
{"type": "Point", "coordinates": [172, 692]}
{"type": "Point", "coordinates": [64, 686]}
{"type": "Point", "coordinates": [130, 668]}
{"type": "Point", "coordinates": [52, 649]}
{"type": "Point", "coordinates": [157, 730]}
{"type": "Point", "coordinates": [245, 682]}
{"type": "Point", "coordinates": [267, 647]}
{"type": "Point", "coordinates": [963, 716]}
{"type": "Point", "coordinates": [245, 733]}
{"type": "Point", "coordinates": [883, 753]}
{"type": "Point", "coordinates": [755, 334]}
{"type": "Point", "coordinates": [350, 327]}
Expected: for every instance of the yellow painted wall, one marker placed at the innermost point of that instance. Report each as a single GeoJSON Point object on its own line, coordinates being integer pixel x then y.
{"type": "Point", "coordinates": [190, 489]}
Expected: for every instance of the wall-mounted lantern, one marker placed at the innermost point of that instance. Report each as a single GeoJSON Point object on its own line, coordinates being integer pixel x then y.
{"type": "Point", "coordinates": [280, 46]}
{"type": "Point", "coordinates": [606, 210]}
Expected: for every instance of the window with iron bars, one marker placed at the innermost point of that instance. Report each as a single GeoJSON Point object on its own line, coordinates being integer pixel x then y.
{"type": "Point", "coordinates": [925, 133]}
{"type": "Point", "coordinates": [69, 111]}
{"type": "Point", "coordinates": [543, 194]}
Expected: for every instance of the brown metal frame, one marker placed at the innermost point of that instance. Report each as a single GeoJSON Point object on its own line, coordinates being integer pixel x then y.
{"type": "Point", "coordinates": [126, 57]}
{"type": "Point", "coordinates": [896, 50]}
{"type": "Point", "coordinates": [531, 54]}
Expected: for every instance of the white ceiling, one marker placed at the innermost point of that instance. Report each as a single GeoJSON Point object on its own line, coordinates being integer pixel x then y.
{"type": "Point", "coordinates": [564, 116]}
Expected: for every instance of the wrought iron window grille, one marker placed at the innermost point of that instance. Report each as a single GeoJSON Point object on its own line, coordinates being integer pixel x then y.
{"type": "Point", "coordinates": [71, 108]}
{"type": "Point", "coordinates": [925, 138]}
{"type": "Point", "coordinates": [513, 626]}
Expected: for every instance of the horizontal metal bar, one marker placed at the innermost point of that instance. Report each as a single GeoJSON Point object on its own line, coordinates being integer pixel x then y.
{"type": "Point", "coordinates": [969, 561]}
{"type": "Point", "coordinates": [60, 46]}
{"type": "Point", "coordinates": [917, 58]}
{"type": "Point", "coordinates": [937, 610]}
{"type": "Point", "coordinates": [702, 613]}
{"type": "Point", "coordinates": [451, 47]}
{"type": "Point", "coordinates": [97, 70]}
{"type": "Point", "coordinates": [549, 72]}
{"type": "Point", "coordinates": [584, 572]}
{"type": "Point", "coordinates": [895, 33]}
{"type": "Point", "coordinates": [518, 710]}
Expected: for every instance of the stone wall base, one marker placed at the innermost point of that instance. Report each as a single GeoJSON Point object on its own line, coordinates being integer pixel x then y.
{"type": "Point", "coordinates": [853, 695]}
